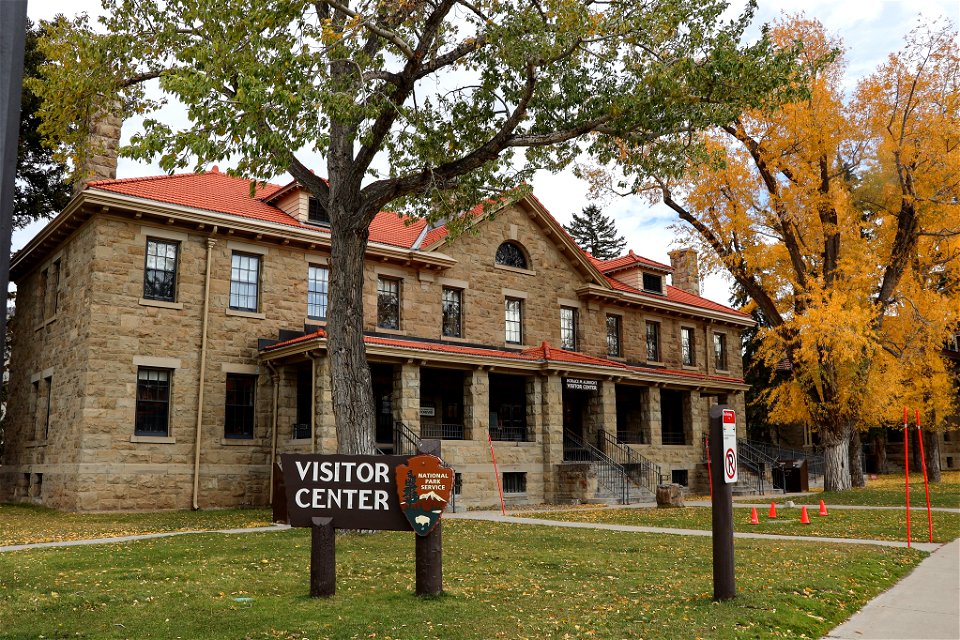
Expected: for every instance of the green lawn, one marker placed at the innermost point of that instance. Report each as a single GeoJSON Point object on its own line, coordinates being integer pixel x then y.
{"type": "Point", "coordinates": [20, 524]}
{"type": "Point", "coordinates": [888, 491]}
{"type": "Point", "coordinates": [501, 581]}
{"type": "Point", "coordinates": [872, 524]}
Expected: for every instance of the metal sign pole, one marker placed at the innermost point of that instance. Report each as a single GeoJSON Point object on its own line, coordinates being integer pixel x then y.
{"type": "Point", "coordinates": [724, 583]}
{"type": "Point", "coordinates": [13, 29]}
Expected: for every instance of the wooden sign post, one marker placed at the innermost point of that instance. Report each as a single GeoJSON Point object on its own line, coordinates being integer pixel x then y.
{"type": "Point", "coordinates": [392, 493]}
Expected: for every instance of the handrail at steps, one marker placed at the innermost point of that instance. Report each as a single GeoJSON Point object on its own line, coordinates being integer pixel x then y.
{"type": "Point", "coordinates": [609, 474]}
{"type": "Point", "coordinates": [643, 472]}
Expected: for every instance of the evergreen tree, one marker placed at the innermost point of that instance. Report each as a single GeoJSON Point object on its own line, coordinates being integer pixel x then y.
{"type": "Point", "coordinates": [41, 189]}
{"type": "Point", "coordinates": [596, 233]}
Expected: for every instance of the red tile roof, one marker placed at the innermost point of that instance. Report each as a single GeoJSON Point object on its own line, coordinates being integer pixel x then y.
{"type": "Point", "coordinates": [679, 296]}
{"type": "Point", "coordinates": [543, 354]}
{"type": "Point", "coordinates": [627, 261]}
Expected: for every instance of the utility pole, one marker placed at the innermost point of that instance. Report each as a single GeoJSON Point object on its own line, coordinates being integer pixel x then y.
{"type": "Point", "coordinates": [13, 29]}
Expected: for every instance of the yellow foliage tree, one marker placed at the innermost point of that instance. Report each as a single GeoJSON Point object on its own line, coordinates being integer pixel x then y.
{"type": "Point", "coordinates": [840, 219]}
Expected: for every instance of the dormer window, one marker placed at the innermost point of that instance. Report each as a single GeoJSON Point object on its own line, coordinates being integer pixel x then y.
{"type": "Point", "coordinates": [652, 282]}
{"type": "Point", "coordinates": [317, 213]}
{"type": "Point", "coordinates": [511, 255]}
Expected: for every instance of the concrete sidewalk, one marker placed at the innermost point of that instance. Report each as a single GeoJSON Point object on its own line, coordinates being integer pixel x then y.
{"type": "Point", "coordinates": [924, 605]}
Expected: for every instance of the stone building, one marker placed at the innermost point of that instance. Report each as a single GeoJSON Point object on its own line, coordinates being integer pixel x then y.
{"type": "Point", "coordinates": [169, 342]}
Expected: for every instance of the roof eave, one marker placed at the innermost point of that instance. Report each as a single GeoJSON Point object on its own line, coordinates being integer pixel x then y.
{"type": "Point", "coordinates": [666, 305]}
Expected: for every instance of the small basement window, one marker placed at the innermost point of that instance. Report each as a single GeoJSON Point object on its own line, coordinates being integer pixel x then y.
{"type": "Point", "coordinates": [457, 484]}
{"type": "Point", "coordinates": [680, 476]}
{"type": "Point", "coordinates": [514, 482]}
{"type": "Point", "coordinates": [652, 282]}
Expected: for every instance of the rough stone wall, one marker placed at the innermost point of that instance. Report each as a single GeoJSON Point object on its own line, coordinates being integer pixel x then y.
{"type": "Point", "coordinates": [101, 160]}
{"type": "Point", "coordinates": [49, 345]}
{"type": "Point", "coordinates": [686, 271]}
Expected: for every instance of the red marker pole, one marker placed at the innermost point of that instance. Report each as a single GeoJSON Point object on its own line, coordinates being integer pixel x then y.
{"type": "Point", "coordinates": [926, 485]}
{"type": "Point", "coordinates": [503, 507]}
{"type": "Point", "coordinates": [906, 468]}
{"type": "Point", "coordinates": [709, 468]}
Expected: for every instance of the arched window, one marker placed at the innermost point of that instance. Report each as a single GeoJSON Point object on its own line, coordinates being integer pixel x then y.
{"type": "Point", "coordinates": [510, 254]}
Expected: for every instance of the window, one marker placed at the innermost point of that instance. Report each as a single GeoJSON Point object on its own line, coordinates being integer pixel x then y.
{"type": "Point", "coordinates": [42, 307]}
{"type": "Point", "coordinates": [160, 270]}
{"type": "Point", "coordinates": [514, 320]}
{"type": "Point", "coordinates": [457, 484]}
{"type": "Point", "coordinates": [652, 282]}
{"type": "Point", "coordinates": [153, 402]}
{"type": "Point", "coordinates": [318, 279]}
{"type": "Point", "coordinates": [720, 351]}
{"type": "Point", "coordinates": [388, 303]}
{"type": "Point", "coordinates": [317, 213]}
{"type": "Point", "coordinates": [451, 300]}
{"type": "Point", "coordinates": [568, 328]}
{"type": "Point", "coordinates": [514, 482]}
{"type": "Point", "coordinates": [653, 341]}
{"type": "Point", "coordinates": [680, 476]}
{"type": "Point", "coordinates": [238, 419]}
{"type": "Point", "coordinates": [686, 346]}
{"type": "Point", "coordinates": [245, 282]}
{"type": "Point", "coordinates": [511, 255]}
{"type": "Point", "coordinates": [613, 336]}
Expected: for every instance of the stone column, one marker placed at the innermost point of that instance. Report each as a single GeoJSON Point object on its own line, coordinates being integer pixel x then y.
{"type": "Point", "coordinates": [406, 395]}
{"type": "Point", "coordinates": [694, 427]}
{"type": "Point", "coordinates": [476, 405]}
{"type": "Point", "coordinates": [551, 391]}
{"type": "Point", "coordinates": [602, 416]}
{"type": "Point", "coordinates": [325, 435]}
{"type": "Point", "coordinates": [534, 396]}
{"type": "Point", "coordinates": [651, 416]}
{"type": "Point", "coordinates": [100, 161]}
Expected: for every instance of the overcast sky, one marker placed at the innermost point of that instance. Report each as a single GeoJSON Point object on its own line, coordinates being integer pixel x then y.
{"type": "Point", "coordinates": [870, 31]}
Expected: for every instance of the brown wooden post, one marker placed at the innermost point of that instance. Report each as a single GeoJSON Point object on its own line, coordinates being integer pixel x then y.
{"type": "Point", "coordinates": [323, 559]}
{"type": "Point", "coordinates": [430, 563]}
{"type": "Point", "coordinates": [724, 584]}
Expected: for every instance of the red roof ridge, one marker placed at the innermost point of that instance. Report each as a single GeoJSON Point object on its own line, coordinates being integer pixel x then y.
{"type": "Point", "coordinates": [170, 176]}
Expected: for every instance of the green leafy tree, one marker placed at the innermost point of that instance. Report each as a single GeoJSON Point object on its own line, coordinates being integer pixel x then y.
{"type": "Point", "coordinates": [428, 106]}
{"type": "Point", "coordinates": [41, 188]}
{"type": "Point", "coordinates": [596, 233]}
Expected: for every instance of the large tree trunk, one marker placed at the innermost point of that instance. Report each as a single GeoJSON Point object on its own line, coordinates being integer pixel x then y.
{"type": "Point", "coordinates": [931, 447]}
{"type": "Point", "coordinates": [880, 450]}
{"type": "Point", "coordinates": [353, 406]}
{"type": "Point", "coordinates": [856, 459]}
{"type": "Point", "coordinates": [836, 459]}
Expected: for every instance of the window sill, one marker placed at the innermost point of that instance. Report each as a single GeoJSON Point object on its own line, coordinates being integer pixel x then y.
{"type": "Point", "coordinates": [690, 367]}
{"type": "Point", "coordinates": [393, 332]}
{"type": "Point", "coordinates": [153, 439]}
{"type": "Point", "coordinates": [299, 441]}
{"type": "Point", "coordinates": [616, 358]}
{"type": "Point", "coordinates": [724, 372]}
{"type": "Point", "coordinates": [30, 444]}
{"type": "Point", "coordinates": [655, 363]}
{"type": "Point", "coordinates": [50, 319]}
{"type": "Point", "coordinates": [453, 339]}
{"type": "Point", "coordinates": [162, 304]}
{"type": "Point", "coordinates": [315, 322]}
{"type": "Point", "coordinates": [525, 272]}
{"type": "Point", "coordinates": [246, 314]}
{"type": "Point", "coordinates": [241, 442]}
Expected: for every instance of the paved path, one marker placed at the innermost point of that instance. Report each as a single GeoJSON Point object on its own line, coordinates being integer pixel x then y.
{"type": "Point", "coordinates": [925, 604]}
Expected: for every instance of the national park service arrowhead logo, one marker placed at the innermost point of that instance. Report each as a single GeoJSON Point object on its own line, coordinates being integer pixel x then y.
{"type": "Point", "coordinates": [425, 485]}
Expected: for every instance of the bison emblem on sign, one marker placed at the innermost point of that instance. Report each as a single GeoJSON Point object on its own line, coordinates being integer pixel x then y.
{"type": "Point", "coordinates": [424, 485]}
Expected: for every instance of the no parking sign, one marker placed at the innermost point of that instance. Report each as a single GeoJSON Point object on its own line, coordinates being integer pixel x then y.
{"type": "Point", "coordinates": [730, 462]}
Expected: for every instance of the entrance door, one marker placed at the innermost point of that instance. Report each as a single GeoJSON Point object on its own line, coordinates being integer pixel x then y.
{"type": "Point", "coordinates": [383, 404]}
{"type": "Point", "coordinates": [574, 409]}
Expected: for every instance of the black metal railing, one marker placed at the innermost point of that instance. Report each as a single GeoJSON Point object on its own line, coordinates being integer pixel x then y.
{"type": "Point", "coordinates": [640, 470]}
{"type": "Point", "coordinates": [632, 437]}
{"type": "Point", "coordinates": [443, 431]}
{"type": "Point", "coordinates": [610, 475]}
{"type": "Point", "coordinates": [509, 433]}
{"type": "Point", "coordinates": [301, 430]}
{"type": "Point", "coordinates": [673, 437]}
{"type": "Point", "coordinates": [405, 441]}
{"type": "Point", "coordinates": [814, 460]}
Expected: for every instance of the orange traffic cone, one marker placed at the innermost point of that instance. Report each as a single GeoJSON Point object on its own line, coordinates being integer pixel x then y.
{"type": "Point", "coordinates": [753, 516]}
{"type": "Point", "coordinates": [773, 510]}
{"type": "Point", "coordinates": [823, 508]}
{"type": "Point", "coordinates": [804, 518]}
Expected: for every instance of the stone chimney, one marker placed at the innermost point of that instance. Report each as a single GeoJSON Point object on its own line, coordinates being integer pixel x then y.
{"type": "Point", "coordinates": [100, 160]}
{"type": "Point", "coordinates": [686, 272]}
